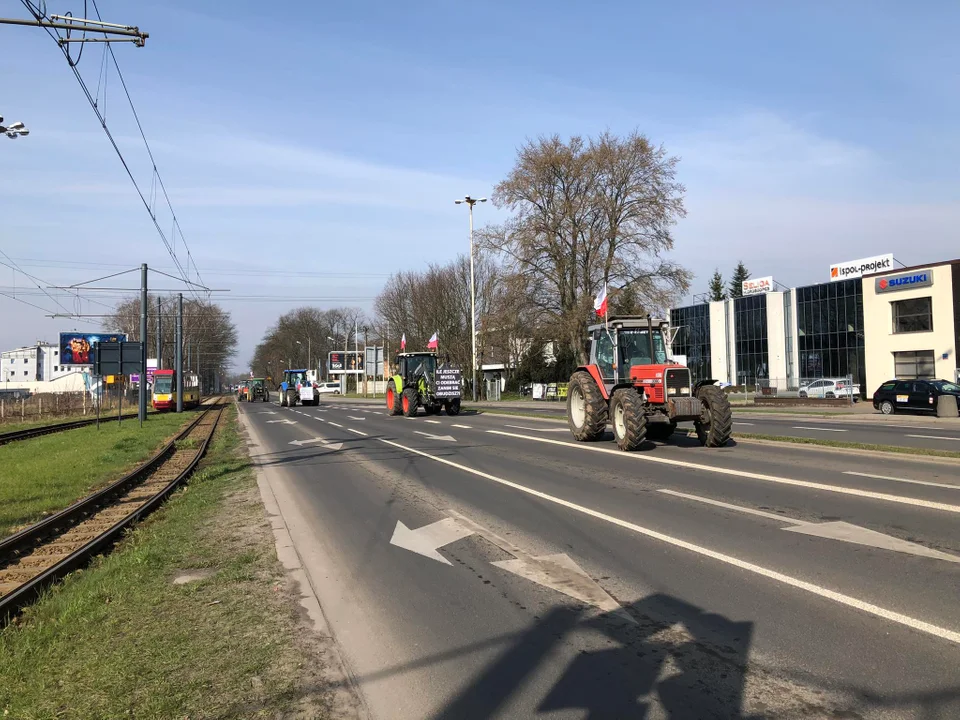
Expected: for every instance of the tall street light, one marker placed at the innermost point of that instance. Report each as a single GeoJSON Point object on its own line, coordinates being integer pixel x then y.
{"type": "Point", "coordinates": [473, 301]}
{"type": "Point", "coordinates": [13, 130]}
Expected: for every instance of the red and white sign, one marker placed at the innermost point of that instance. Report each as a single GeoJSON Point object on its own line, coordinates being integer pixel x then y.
{"type": "Point", "coordinates": [755, 286]}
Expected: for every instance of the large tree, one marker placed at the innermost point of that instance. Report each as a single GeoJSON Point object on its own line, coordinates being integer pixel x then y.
{"type": "Point", "coordinates": [740, 273]}
{"type": "Point", "coordinates": [589, 212]}
{"type": "Point", "coordinates": [717, 290]}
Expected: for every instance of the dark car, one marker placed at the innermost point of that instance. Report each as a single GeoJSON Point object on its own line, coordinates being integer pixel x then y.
{"type": "Point", "coordinates": [896, 395]}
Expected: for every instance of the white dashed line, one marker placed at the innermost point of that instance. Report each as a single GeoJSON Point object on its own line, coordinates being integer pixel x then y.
{"type": "Point", "coordinates": [801, 427]}
{"type": "Point", "coordinates": [435, 422]}
{"type": "Point", "coordinates": [358, 432]}
{"type": "Point", "coordinates": [903, 480]}
{"type": "Point", "coordinates": [934, 437]}
{"type": "Point", "coordinates": [354, 418]}
{"type": "Point", "coordinates": [737, 422]}
{"type": "Point", "coordinates": [335, 424]}
{"type": "Point", "coordinates": [465, 427]}
{"type": "Point", "coordinates": [377, 412]}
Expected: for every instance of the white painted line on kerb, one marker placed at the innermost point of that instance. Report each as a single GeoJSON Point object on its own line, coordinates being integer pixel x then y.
{"type": "Point", "coordinates": [435, 422]}
{"type": "Point", "coordinates": [358, 432]}
{"type": "Point", "coordinates": [335, 424]}
{"type": "Point", "coordinates": [801, 427]}
{"type": "Point", "coordinates": [903, 480]}
{"type": "Point", "coordinates": [465, 427]}
{"type": "Point", "coordinates": [849, 601]}
{"type": "Point", "coordinates": [934, 437]}
{"type": "Point", "coordinates": [647, 457]}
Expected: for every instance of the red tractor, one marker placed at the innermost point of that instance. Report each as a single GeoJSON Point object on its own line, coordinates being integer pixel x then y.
{"type": "Point", "coordinates": [631, 383]}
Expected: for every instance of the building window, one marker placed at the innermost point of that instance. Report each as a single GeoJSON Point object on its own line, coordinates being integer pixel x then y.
{"type": "Point", "coordinates": [830, 335]}
{"type": "Point", "coordinates": [693, 338]}
{"type": "Point", "coordinates": [24, 372]}
{"type": "Point", "coordinates": [914, 365]}
{"type": "Point", "coordinates": [750, 338]}
{"type": "Point", "coordinates": [914, 315]}
{"type": "Point", "coordinates": [56, 368]}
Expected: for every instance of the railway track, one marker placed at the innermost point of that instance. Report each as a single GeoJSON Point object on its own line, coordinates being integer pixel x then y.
{"type": "Point", "coordinates": [41, 554]}
{"type": "Point", "coordinates": [9, 437]}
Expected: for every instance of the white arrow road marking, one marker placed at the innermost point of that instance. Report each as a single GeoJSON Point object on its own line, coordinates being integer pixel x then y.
{"type": "Point", "coordinates": [934, 437]}
{"type": "Point", "coordinates": [354, 418]}
{"type": "Point", "coordinates": [282, 422]}
{"type": "Point", "coordinates": [538, 429]}
{"type": "Point", "coordinates": [358, 432]}
{"type": "Point", "coordinates": [562, 574]}
{"type": "Point", "coordinates": [837, 530]}
{"type": "Point", "coordinates": [326, 443]}
{"type": "Point", "coordinates": [837, 597]}
{"type": "Point", "coordinates": [801, 427]}
{"type": "Point", "coordinates": [648, 457]}
{"type": "Point", "coordinates": [436, 437]}
{"type": "Point", "coordinates": [425, 540]}
{"type": "Point", "coordinates": [903, 480]}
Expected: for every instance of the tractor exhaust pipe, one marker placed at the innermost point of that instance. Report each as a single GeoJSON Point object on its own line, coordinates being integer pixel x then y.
{"type": "Point", "coordinates": [653, 357]}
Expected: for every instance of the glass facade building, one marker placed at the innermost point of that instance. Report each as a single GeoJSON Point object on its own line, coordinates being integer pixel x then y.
{"type": "Point", "coordinates": [693, 338]}
{"type": "Point", "coordinates": [751, 347]}
{"type": "Point", "coordinates": [830, 331]}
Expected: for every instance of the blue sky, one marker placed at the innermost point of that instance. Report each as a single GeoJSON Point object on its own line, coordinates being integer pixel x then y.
{"type": "Point", "coordinates": [334, 140]}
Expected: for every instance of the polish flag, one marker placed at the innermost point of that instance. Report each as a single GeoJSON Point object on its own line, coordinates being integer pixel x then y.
{"type": "Point", "coordinates": [600, 302]}
{"type": "Point", "coordinates": [432, 344]}
{"type": "Point", "coordinates": [403, 342]}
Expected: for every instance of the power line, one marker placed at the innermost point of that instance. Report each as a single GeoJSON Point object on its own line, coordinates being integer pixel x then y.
{"type": "Point", "coordinates": [60, 264]}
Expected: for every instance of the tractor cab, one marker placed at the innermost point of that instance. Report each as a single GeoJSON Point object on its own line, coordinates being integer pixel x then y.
{"type": "Point", "coordinates": [413, 366]}
{"type": "Point", "coordinates": [625, 343]}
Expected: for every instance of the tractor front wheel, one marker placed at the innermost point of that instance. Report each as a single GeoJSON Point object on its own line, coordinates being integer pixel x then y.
{"type": "Point", "coordinates": [408, 402]}
{"type": "Point", "coordinates": [453, 407]}
{"type": "Point", "coordinates": [628, 419]}
{"type": "Point", "coordinates": [716, 418]}
{"type": "Point", "coordinates": [586, 408]}
{"type": "Point", "coordinates": [393, 400]}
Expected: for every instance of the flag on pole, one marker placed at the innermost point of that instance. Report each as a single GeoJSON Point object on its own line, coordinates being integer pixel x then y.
{"type": "Point", "coordinates": [432, 344]}
{"type": "Point", "coordinates": [403, 342]}
{"type": "Point", "coordinates": [600, 302]}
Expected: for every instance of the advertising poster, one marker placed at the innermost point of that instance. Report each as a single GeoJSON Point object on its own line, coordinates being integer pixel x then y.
{"type": "Point", "coordinates": [77, 348]}
{"type": "Point", "coordinates": [448, 382]}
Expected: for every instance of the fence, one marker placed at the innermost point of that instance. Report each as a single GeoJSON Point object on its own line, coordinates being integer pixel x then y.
{"type": "Point", "coordinates": [48, 406]}
{"type": "Point", "coordinates": [835, 388]}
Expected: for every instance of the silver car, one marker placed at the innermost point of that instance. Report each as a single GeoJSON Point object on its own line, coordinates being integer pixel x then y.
{"type": "Point", "coordinates": [827, 388]}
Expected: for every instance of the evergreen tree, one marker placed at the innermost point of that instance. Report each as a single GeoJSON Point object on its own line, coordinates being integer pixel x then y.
{"type": "Point", "coordinates": [740, 273]}
{"type": "Point", "coordinates": [717, 290]}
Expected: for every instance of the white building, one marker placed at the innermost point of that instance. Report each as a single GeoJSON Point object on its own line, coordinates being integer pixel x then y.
{"type": "Point", "coordinates": [37, 367]}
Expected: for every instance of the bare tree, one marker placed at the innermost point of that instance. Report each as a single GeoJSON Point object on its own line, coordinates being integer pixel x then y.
{"type": "Point", "coordinates": [588, 213]}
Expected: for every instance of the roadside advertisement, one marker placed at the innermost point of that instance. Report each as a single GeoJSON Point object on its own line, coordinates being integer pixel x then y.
{"type": "Point", "coordinates": [904, 281]}
{"type": "Point", "coordinates": [861, 267]}
{"type": "Point", "coordinates": [755, 286]}
{"type": "Point", "coordinates": [77, 348]}
{"type": "Point", "coordinates": [350, 362]}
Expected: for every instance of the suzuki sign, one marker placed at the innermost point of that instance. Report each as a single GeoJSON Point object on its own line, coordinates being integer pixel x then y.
{"type": "Point", "coordinates": [755, 286]}
{"type": "Point", "coordinates": [859, 268]}
{"type": "Point", "coordinates": [904, 281]}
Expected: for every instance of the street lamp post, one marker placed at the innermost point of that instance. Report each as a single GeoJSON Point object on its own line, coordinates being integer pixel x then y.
{"type": "Point", "coordinates": [13, 130]}
{"type": "Point", "coordinates": [473, 311]}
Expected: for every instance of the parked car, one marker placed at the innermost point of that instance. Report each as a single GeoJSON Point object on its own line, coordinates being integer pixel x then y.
{"type": "Point", "coordinates": [830, 388]}
{"type": "Point", "coordinates": [895, 395]}
{"type": "Point", "coordinates": [329, 387]}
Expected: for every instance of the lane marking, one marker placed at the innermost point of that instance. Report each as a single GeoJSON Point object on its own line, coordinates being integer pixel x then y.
{"type": "Point", "coordinates": [465, 427]}
{"type": "Point", "coordinates": [377, 412]}
{"type": "Point", "coordinates": [335, 424]}
{"type": "Point", "coordinates": [354, 418]}
{"type": "Point", "coordinates": [840, 598]}
{"type": "Point", "coordinates": [729, 506]}
{"type": "Point", "coordinates": [903, 480]}
{"type": "Point", "coordinates": [358, 432]}
{"type": "Point", "coordinates": [737, 422]}
{"type": "Point", "coordinates": [449, 438]}
{"type": "Point", "coordinates": [543, 429]}
{"type": "Point", "coordinates": [435, 422]}
{"type": "Point", "coordinates": [934, 437]}
{"type": "Point", "coordinates": [646, 457]}
{"type": "Point", "coordinates": [802, 427]}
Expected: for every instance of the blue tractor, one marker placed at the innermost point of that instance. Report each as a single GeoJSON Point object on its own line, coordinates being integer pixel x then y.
{"type": "Point", "coordinates": [296, 386]}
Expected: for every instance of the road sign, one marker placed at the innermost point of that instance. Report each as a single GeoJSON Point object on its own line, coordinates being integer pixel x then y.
{"type": "Point", "coordinates": [117, 358]}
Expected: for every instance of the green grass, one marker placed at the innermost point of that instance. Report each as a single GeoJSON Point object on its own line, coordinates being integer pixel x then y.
{"type": "Point", "coordinates": [899, 450]}
{"type": "Point", "coordinates": [121, 640]}
{"type": "Point", "coordinates": [46, 474]}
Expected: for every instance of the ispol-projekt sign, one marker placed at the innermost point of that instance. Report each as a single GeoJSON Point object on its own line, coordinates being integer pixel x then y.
{"type": "Point", "coordinates": [904, 281]}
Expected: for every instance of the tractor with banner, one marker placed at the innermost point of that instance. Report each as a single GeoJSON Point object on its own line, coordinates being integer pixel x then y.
{"type": "Point", "coordinates": [297, 386]}
{"type": "Point", "coordinates": [421, 382]}
{"type": "Point", "coordinates": [631, 383]}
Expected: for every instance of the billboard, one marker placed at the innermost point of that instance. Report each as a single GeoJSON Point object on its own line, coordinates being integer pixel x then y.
{"type": "Point", "coordinates": [76, 348]}
{"type": "Point", "coordinates": [861, 267]}
{"type": "Point", "coordinates": [350, 362]}
{"type": "Point", "coordinates": [755, 286]}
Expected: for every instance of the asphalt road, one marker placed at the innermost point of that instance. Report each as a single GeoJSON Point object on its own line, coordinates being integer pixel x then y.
{"type": "Point", "coordinates": [488, 566]}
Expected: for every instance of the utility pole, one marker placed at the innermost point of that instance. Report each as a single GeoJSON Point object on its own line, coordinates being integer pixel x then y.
{"type": "Point", "coordinates": [365, 345]}
{"type": "Point", "coordinates": [159, 336]}
{"type": "Point", "coordinates": [178, 352]}
{"type": "Point", "coordinates": [473, 311]}
{"type": "Point", "coordinates": [142, 408]}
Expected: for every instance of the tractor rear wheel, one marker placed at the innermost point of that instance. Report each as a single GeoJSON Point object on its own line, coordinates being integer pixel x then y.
{"type": "Point", "coordinates": [408, 402]}
{"type": "Point", "coordinates": [628, 419]}
{"type": "Point", "coordinates": [586, 408]}
{"type": "Point", "coordinates": [393, 400]}
{"type": "Point", "coordinates": [660, 431]}
{"type": "Point", "coordinates": [716, 418]}
{"type": "Point", "coordinates": [453, 407]}
{"type": "Point", "coordinates": [291, 398]}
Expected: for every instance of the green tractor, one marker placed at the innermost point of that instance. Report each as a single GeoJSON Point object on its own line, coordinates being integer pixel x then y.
{"type": "Point", "coordinates": [419, 382]}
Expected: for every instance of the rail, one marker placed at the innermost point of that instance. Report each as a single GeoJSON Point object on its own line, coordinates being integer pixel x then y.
{"type": "Point", "coordinates": [41, 554]}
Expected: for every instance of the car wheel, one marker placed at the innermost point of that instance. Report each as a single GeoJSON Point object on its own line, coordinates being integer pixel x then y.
{"type": "Point", "coordinates": [801, 394]}
{"type": "Point", "coordinates": [830, 396]}
{"type": "Point", "coordinates": [887, 407]}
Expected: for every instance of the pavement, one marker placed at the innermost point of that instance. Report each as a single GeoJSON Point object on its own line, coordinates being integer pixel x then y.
{"type": "Point", "coordinates": [486, 566]}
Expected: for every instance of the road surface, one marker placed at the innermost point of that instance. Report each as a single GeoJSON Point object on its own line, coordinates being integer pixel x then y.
{"type": "Point", "coordinates": [488, 566]}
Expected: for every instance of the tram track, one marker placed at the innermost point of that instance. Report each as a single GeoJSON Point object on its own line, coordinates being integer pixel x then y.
{"type": "Point", "coordinates": [45, 552]}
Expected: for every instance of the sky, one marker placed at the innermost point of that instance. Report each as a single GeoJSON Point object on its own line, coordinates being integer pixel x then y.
{"type": "Point", "coordinates": [308, 153]}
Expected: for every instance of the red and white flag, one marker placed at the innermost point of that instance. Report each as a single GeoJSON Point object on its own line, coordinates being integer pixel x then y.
{"type": "Point", "coordinates": [432, 344]}
{"type": "Point", "coordinates": [600, 302]}
{"type": "Point", "coordinates": [403, 342]}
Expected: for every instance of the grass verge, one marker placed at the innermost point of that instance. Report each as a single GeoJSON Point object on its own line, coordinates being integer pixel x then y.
{"type": "Point", "coordinates": [48, 473]}
{"type": "Point", "coordinates": [120, 639]}
{"type": "Point", "coordinates": [899, 450]}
